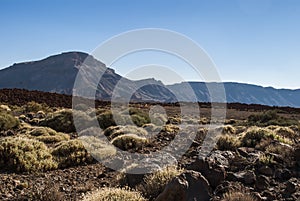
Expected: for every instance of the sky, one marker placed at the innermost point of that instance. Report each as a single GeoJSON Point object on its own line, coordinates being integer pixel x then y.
{"type": "Point", "coordinates": [250, 41]}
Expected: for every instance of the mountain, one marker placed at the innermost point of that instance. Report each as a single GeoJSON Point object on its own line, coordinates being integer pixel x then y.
{"type": "Point", "coordinates": [57, 74]}
{"type": "Point", "coordinates": [240, 93]}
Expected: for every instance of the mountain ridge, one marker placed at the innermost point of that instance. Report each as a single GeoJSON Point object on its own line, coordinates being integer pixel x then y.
{"type": "Point", "coordinates": [57, 73]}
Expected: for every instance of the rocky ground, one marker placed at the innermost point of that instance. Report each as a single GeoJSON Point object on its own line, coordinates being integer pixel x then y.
{"type": "Point", "coordinates": [256, 158]}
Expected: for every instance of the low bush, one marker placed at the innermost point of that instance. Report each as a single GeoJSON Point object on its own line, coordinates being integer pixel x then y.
{"type": "Point", "coordinates": [129, 141]}
{"type": "Point", "coordinates": [25, 155]}
{"type": "Point", "coordinates": [237, 195]}
{"type": "Point", "coordinates": [71, 153]}
{"type": "Point", "coordinates": [156, 182]}
{"type": "Point", "coordinates": [285, 132]}
{"type": "Point", "coordinates": [227, 142]}
{"type": "Point", "coordinates": [254, 135]}
{"type": "Point", "coordinates": [114, 194]}
{"type": "Point", "coordinates": [139, 117]}
{"type": "Point", "coordinates": [35, 107]}
{"type": "Point", "coordinates": [48, 135]}
{"type": "Point", "coordinates": [115, 131]}
{"type": "Point", "coordinates": [270, 118]}
{"type": "Point", "coordinates": [97, 147]}
{"type": "Point", "coordinates": [7, 121]}
{"type": "Point", "coordinates": [62, 121]}
{"type": "Point", "coordinates": [108, 119]}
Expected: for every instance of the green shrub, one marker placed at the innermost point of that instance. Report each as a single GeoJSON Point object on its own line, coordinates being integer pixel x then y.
{"type": "Point", "coordinates": [115, 131]}
{"type": "Point", "coordinates": [139, 117]}
{"type": "Point", "coordinates": [129, 141]}
{"type": "Point", "coordinates": [97, 147]}
{"type": "Point", "coordinates": [270, 118]}
{"type": "Point", "coordinates": [35, 107]}
{"type": "Point", "coordinates": [255, 135]}
{"type": "Point", "coordinates": [285, 132]}
{"type": "Point", "coordinates": [227, 142]}
{"type": "Point", "coordinates": [7, 121]}
{"type": "Point", "coordinates": [159, 119]}
{"type": "Point", "coordinates": [156, 182]}
{"type": "Point", "coordinates": [71, 153]}
{"type": "Point", "coordinates": [107, 119]}
{"type": "Point", "coordinates": [114, 194]}
{"type": "Point", "coordinates": [62, 121]}
{"type": "Point", "coordinates": [48, 135]}
{"type": "Point", "coordinates": [22, 154]}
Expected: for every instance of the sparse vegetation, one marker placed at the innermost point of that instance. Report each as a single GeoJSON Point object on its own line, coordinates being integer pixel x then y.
{"type": "Point", "coordinates": [115, 131]}
{"type": "Point", "coordinates": [155, 183]}
{"type": "Point", "coordinates": [71, 153]}
{"type": "Point", "coordinates": [129, 141]}
{"type": "Point", "coordinates": [48, 135]}
{"type": "Point", "coordinates": [268, 118]}
{"type": "Point", "coordinates": [25, 155]}
{"type": "Point", "coordinates": [7, 121]}
{"type": "Point", "coordinates": [97, 147]}
{"type": "Point", "coordinates": [266, 159]}
{"type": "Point", "coordinates": [227, 142]}
{"type": "Point", "coordinates": [114, 194]}
{"type": "Point", "coordinates": [237, 195]}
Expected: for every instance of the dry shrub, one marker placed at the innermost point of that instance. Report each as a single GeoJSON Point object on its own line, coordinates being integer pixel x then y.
{"type": "Point", "coordinates": [97, 147]}
{"type": "Point", "coordinates": [108, 119]}
{"type": "Point", "coordinates": [71, 153]}
{"type": "Point", "coordinates": [152, 128]}
{"type": "Point", "coordinates": [7, 121]}
{"type": "Point", "coordinates": [48, 135]}
{"type": "Point", "coordinates": [115, 131]}
{"type": "Point", "coordinates": [285, 132]}
{"type": "Point", "coordinates": [62, 121]}
{"type": "Point", "coordinates": [237, 195]}
{"type": "Point", "coordinates": [114, 194]}
{"type": "Point", "coordinates": [228, 129]}
{"type": "Point", "coordinates": [22, 154]}
{"type": "Point", "coordinates": [129, 141]}
{"type": "Point", "coordinates": [254, 135]}
{"type": "Point", "coordinates": [227, 142]}
{"type": "Point", "coordinates": [156, 182]}
{"type": "Point", "coordinates": [171, 128]}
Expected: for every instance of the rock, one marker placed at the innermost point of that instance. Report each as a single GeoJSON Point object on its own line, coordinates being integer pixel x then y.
{"type": "Point", "coordinates": [290, 186]}
{"type": "Point", "coordinates": [247, 177]}
{"type": "Point", "coordinates": [282, 174]}
{"type": "Point", "coordinates": [262, 182]}
{"type": "Point", "coordinates": [213, 166]}
{"type": "Point", "coordinates": [189, 186]}
{"type": "Point", "coordinates": [215, 174]}
{"type": "Point", "coordinates": [265, 170]}
{"type": "Point", "coordinates": [221, 158]}
{"type": "Point", "coordinates": [297, 155]}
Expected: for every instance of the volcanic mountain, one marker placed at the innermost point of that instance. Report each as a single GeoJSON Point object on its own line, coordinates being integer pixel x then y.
{"type": "Point", "coordinates": [58, 73]}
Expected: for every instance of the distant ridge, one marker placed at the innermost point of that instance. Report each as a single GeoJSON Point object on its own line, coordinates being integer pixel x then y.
{"type": "Point", "coordinates": [57, 74]}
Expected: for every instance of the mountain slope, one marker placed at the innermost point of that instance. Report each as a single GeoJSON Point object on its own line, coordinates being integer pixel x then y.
{"type": "Point", "coordinates": [57, 74]}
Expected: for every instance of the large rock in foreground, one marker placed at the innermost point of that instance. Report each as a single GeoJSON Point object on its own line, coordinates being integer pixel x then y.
{"type": "Point", "coordinates": [189, 186]}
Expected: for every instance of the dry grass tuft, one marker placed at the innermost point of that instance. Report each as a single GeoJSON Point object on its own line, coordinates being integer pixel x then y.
{"type": "Point", "coordinates": [156, 182]}
{"type": "Point", "coordinates": [114, 194]}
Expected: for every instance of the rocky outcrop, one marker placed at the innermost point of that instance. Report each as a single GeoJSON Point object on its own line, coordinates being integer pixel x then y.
{"type": "Point", "coordinates": [189, 186]}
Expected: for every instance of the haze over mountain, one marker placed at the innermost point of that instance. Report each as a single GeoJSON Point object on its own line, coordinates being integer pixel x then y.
{"type": "Point", "coordinates": [57, 74]}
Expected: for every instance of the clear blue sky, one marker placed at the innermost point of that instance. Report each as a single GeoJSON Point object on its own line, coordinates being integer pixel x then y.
{"type": "Point", "coordinates": [251, 41]}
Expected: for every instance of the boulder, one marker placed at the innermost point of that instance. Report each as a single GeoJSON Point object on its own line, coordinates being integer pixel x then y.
{"type": "Point", "coordinates": [189, 186]}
